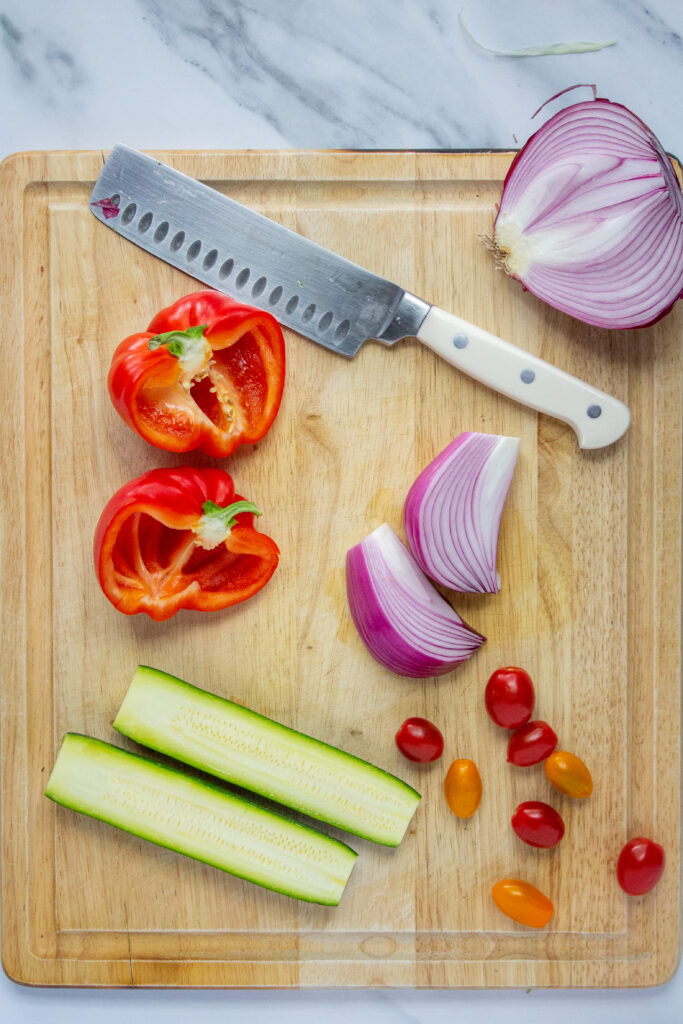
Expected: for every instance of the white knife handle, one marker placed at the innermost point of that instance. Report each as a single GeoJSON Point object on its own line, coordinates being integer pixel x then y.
{"type": "Point", "coordinates": [597, 418]}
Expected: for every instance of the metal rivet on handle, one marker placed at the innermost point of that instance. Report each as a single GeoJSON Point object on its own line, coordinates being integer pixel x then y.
{"type": "Point", "coordinates": [461, 341]}
{"type": "Point", "coordinates": [594, 411]}
{"type": "Point", "coordinates": [527, 376]}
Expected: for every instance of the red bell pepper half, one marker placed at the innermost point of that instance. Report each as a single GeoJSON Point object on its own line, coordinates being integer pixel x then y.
{"type": "Point", "coordinates": [207, 373]}
{"type": "Point", "coordinates": [180, 538]}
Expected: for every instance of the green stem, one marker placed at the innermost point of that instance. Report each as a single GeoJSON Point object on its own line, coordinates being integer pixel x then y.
{"type": "Point", "coordinates": [227, 515]}
{"type": "Point", "coordinates": [178, 343]}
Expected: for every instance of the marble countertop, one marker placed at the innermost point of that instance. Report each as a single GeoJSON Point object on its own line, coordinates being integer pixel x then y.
{"type": "Point", "coordinates": [368, 74]}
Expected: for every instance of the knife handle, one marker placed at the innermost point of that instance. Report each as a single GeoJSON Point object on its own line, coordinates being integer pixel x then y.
{"type": "Point", "coordinates": [598, 419]}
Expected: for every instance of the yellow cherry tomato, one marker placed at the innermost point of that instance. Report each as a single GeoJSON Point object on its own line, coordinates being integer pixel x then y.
{"type": "Point", "coordinates": [462, 787]}
{"type": "Point", "coordinates": [522, 902]}
{"type": "Point", "coordinates": [568, 774]}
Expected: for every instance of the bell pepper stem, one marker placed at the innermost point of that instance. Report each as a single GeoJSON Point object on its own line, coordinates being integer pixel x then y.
{"type": "Point", "coordinates": [227, 516]}
{"type": "Point", "coordinates": [178, 343]}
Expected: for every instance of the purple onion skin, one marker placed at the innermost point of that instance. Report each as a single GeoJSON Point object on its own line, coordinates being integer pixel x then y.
{"type": "Point", "coordinates": [466, 570]}
{"type": "Point", "coordinates": [377, 633]}
{"type": "Point", "coordinates": [411, 513]}
{"type": "Point", "coordinates": [673, 187]}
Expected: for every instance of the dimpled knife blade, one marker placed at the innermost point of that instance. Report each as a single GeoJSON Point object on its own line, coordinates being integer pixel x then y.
{"type": "Point", "coordinates": [248, 256]}
{"type": "Point", "coordinates": [321, 295]}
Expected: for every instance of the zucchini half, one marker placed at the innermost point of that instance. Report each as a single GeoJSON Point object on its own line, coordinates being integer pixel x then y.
{"type": "Point", "coordinates": [243, 747]}
{"type": "Point", "coordinates": [198, 819]}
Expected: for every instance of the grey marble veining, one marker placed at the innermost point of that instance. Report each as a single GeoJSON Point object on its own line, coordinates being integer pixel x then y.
{"type": "Point", "coordinates": [320, 73]}
{"type": "Point", "coordinates": [39, 62]}
{"type": "Point", "coordinates": [391, 74]}
{"type": "Point", "coordinates": [358, 80]}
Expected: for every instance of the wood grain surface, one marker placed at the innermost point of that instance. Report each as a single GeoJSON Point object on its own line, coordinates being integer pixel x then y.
{"type": "Point", "coordinates": [589, 555]}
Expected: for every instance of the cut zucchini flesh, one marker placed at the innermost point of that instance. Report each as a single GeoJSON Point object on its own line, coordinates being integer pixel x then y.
{"type": "Point", "coordinates": [198, 819]}
{"type": "Point", "coordinates": [241, 746]}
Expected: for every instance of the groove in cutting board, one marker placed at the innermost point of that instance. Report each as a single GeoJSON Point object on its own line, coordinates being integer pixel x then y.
{"type": "Point", "coordinates": [589, 555]}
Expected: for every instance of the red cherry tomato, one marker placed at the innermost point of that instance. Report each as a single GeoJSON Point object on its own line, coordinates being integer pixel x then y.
{"type": "Point", "coordinates": [538, 824]}
{"type": "Point", "coordinates": [531, 744]}
{"type": "Point", "coordinates": [419, 740]}
{"type": "Point", "coordinates": [640, 865]}
{"type": "Point", "coordinates": [510, 697]}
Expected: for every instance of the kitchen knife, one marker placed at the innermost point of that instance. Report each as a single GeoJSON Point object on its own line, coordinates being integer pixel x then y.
{"type": "Point", "coordinates": [321, 295]}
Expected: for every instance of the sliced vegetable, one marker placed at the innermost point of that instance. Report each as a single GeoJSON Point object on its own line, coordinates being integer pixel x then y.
{"type": "Point", "coordinates": [418, 739]}
{"type": "Point", "coordinates": [510, 697]}
{"type": "Point", "coordinates": [180, 538]}
{"type": "Point", "coordinates": [207, 373]}
{"type": "Point", "coordinates": [199, 820]}
{"type": "Point", "coordinates": [640, 865]}
{"type": "Point", "coordinates": [591, 218]}
{"type": "Point", "coordinates": [531, 744]}
{"type": "Point", "coordinates": [403, 621]}
{"type": "Point", "coordinates": [538, 824]}
{"type": "Point", "coordinates": [453, 510]}
{"type": "Point", "coordinates": [109, 206]}
{"type": "Point", "coordinates": [462, 787]}
{"type": "Point", "coordinates": [522, 902]}
{"type": "Point", "coordinates": [241, 746]}
{"type": "Point", "coordinates": [568, 774]}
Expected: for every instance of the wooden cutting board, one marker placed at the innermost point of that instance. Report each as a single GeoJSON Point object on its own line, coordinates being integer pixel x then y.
{"type": "Point", "coordinates": [590, 558]}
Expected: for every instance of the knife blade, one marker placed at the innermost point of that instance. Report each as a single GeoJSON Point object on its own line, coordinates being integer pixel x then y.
{"type": "Point", "coordinates": [321, 295]}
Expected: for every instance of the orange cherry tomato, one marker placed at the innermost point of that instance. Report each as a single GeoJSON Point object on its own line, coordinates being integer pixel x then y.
{"type": "Point", "coordinates": [522, 902]}
{"type": "Point", "coordinates": [462, 787]}
{"type": "Point", "coordinates": [568, 774]}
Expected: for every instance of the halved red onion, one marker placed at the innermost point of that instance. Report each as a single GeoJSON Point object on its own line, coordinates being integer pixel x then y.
{"type": "Point", "coordinates": [452, 512]}
{"type": "Point", "coordinates": [403, 621]}
{"type": "Point", "coordinates": [591, 218]}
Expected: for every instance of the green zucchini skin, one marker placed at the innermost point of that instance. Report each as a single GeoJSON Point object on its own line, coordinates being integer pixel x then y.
{"type": "Point", "coordinates": [241, 746]}
{"type": "Point", "coordinates": [198, 819]}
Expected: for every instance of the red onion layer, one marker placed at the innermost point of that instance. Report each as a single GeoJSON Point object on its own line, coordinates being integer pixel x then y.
{"type": "Point", "coordinates": [591, 218]}
{"type": "Point", "coordinates": [403, 621]}
{"type": "Point", "coordinates": [453, 510]}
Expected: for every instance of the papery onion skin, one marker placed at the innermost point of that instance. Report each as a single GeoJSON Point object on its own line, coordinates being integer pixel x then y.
{"type": "Point", "coordinates": [453, 510]}
{"type": "Point", "coordinates": [591, 218]}
{"type": "Point", "coordinates": [403, 621]}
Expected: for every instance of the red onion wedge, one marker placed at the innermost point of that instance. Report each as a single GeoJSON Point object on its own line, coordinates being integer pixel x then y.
{"type": "Point", "coordinates": [452, 512]}
{"type": "Point", "coordinates": [403, 621]}
{"type": "Point", "coordinates": [591, 218]}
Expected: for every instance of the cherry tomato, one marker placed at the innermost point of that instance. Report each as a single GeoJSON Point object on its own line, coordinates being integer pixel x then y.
{"type": "Point", "coordinates": [640, 865]}
{"type": "Point", "coordinates": [538, 824]}
{"type": "Point", "coordinates": [522, 902]}
{"type": "Point", "coordinates": [510, 697]}
{"type": "Point", "coordinates": [462, 787]}
{"type": "Point", "coordinates": [568, 774]}
{"type": "Point", "coordinates": [531, 744]}
{"type": "Point", "coordinates": [419, 740]}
